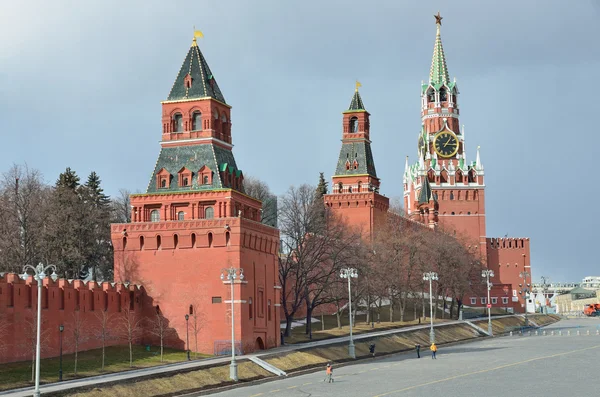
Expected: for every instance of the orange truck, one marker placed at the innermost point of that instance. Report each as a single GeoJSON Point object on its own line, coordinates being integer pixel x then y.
{"type": "Point", "coordinates": [592, 310]}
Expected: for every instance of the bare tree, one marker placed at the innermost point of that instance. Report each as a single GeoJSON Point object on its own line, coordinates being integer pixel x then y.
{"type": "Point", "coordinates": [103, 332]}
{"type": "Point", "coordinates": [30, 330]}
{"type": "Point", "coordinates": [78, 335]}
{"type": "Point", "coordinates": [159, 327]}
{"type": "Point", "coordinates": [23, 210]}
{"type": "Point", "coordinates": [131, 325]}
{"type": "Point", "coordinates": [258, 189]}
{"type": "Point", "coordinates": [121, 207]}
{"type": "Point", "coordinates": [198, 320]}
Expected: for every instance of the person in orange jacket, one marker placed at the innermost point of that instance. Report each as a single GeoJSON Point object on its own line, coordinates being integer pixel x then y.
{"type": "Point", "coordinates": [329, 373]}
{"type": "Point", "coordinates": [433, 349]}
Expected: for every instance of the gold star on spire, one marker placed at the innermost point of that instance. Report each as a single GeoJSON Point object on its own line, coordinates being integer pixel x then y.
{"type": "Point", "coordinates": [438, 19]}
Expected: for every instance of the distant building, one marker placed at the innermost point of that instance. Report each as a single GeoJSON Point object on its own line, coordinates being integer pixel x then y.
{"type": "Point", "coordinates": [591, 282]}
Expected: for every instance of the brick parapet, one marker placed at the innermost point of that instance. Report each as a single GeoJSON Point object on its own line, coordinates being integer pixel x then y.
{"type": "Point", "coordinates": [61, 302]}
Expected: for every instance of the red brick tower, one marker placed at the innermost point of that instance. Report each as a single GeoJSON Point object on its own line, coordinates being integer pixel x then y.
{"type": "Point", "coordinates": [355, 191]}
{"type": "Point", "coordinates": [194, 220]}
{"type": "Point", "coordinates": [457, 185]}
{"type": "Point", "coordinates": [443, 188]}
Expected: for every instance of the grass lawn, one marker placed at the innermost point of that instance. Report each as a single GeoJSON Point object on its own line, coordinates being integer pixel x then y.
{"type": "Point", "coordinates": [16, 375]}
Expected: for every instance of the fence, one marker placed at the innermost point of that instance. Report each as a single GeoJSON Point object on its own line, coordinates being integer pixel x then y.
{"type": "Point", "coordinates": [223, 348]}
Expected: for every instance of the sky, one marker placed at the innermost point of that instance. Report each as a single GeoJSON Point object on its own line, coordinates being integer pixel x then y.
{"type": "Point", "coordinates": [81, 84]}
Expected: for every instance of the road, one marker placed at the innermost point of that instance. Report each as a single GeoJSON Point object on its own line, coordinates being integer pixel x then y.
{"type": "Point", "coordinates": [504, 366]}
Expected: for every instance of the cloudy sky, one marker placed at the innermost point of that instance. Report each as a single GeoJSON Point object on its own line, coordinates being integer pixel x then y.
{"type": "Point", "coordinates": [81, 84]}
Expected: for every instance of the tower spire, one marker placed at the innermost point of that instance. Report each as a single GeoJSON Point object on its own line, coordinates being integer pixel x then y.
{"type": "Point", "coordinates": [439, 72]}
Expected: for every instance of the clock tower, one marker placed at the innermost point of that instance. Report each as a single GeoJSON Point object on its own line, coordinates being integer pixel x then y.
{"type": "Point", "coordinates": [442, 187]}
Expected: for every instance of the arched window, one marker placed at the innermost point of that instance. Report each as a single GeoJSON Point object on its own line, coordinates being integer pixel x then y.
{"type": "Point", "coordinates": [269, 309]}
{"type": "Point", "coordinates": [209, 213]}
{"type": "Point", "coordinates": [185, 182]}
{"type": "Point", "coordinates": [210, 239]}
{"type": "Point", "coordinates": [430, 95]}
{"type": "Point", "coordinates": [154, 216]}
{"type": "Point", "coordinates": [443, 95]}
{"type": "Point", "coordinates": [141, 243]}
{"type": "Point", "coordinates": [340, 187]}
{"type": "Point", "coordinates": [124, 243]}
{"type": "Point", "coordinates": [177, 122]}
{"type": "Point", "coordinates": [193, 240]}
{"type": "Point", "coordinates": [163, 182]}
{"type": "Point", "coordinates": [197, 121]}
{"type": "Point", "coordinates": [175, 241]}
{"type": "Point", "coordinates": [349, 189]}
{"type": "Point", "coordinates": [180, 216]}
{"type": "Point", "coordinates": [452, 197]}
{"type": "Point", "coordinates": [158, 242]}
{"type": "Point", "coordinates": [354, 124]}
{"type": "Point", "coordinates": [250, 308]}
{"type": "Point", "coordinates": [227, 238]}
{"type": "Point", "coordinates": [358, 187]}
{"type": "Point", "coordinates": [205, 180]}
{"type": "Point", "coordinates": [191, 310]}
{"type": "Point", "coordinates": [223, 123]}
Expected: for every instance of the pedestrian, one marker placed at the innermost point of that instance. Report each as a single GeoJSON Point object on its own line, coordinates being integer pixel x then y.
{"type": "Point", "coordinates": [418, 348]}
{"type": "Point", "coordinates": [329, 373]}
{"type": "Point", "coordinates": [433, 349]}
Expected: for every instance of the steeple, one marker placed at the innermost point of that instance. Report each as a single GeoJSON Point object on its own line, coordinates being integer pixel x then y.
{"type": "Point", "coordinates": [195, 80]}
{"type": "Point", "coordinates": [356, 158]}
{"type": "Point", "coordinates": [196, 147]}
{"type": "Point", "coordinates": [356, 104]}
{"type": "Point", "coordinates": [439, 72]}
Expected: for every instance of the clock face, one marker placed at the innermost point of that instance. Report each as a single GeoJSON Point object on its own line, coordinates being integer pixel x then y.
{"type": "Point", "coordinates": [446, 144]}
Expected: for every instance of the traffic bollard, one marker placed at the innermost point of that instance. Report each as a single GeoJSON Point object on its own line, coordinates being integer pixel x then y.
{"type": "Point", "coordinates": [569, 333]}
{"type": "Point", "coordinates": [577, 332]}
{"type": "Point", "coordinates": [588, 331]}
{"type": "Point", "coordinates": [552, 333]}
{"type": "Point", "coordinates": [560, 333]}
{"type": "Point", "coordinates": [536, 333]}
{"type": "Point", "coordinates": [544, 333]}
{"type": "Point", "coordinates": [510, 333]}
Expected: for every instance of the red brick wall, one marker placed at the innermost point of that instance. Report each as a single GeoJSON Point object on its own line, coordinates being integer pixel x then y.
{"type": "Point", "coordinates": [61, 302]}
{"type": "Point", "coordinates": [188, 274]}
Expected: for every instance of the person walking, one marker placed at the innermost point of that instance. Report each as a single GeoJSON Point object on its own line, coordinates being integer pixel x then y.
{"type": "Point", "coordinates": [433, 349]}
{"type": "Point", "coordinates": [329, 373]}
{"type": "Point", "coordinates": [418, 348]}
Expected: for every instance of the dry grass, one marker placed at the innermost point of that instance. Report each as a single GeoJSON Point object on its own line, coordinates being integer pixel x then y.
{"type": "Point", "coordinates": [544, 319]}
{"type": "Point", "coordinates": [388, 344]}
{"type": "Point", "coordinates": [15, 375]}
{"type": "Point", "coordinates": [188, 381]}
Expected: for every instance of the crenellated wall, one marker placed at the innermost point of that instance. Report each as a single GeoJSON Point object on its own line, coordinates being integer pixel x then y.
{"type": "Point", "coordinates": [65, 302]}
{"type": "Point", "coordinates": [509, 258]}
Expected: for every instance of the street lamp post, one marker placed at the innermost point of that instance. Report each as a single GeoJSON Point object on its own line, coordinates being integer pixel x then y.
{"type": "Point", "coordinates": [39, 274]}
{"type": "Point", "coordinates": [525, 290]}
{"type": "Point", "coordinates": [61, 328]}
{"type": "Point", "coordinates": [431, 276]}
{"type": "Point", "coordinates": [545, 288]}
{"type": "Point", "coordinates": [187, 335]}
{"type": "Point", "coordinates": [230, 274]}
{"type": "Point", "coordinates": [487, 273]}
{"type": "Point", "coordinates": [349, 273]}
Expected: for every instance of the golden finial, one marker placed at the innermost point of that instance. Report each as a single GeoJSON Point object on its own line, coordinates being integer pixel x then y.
{"type": "Point", "coordinates": [197, 33]}
{"type": "Point", "coordinates": [358, 84]}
